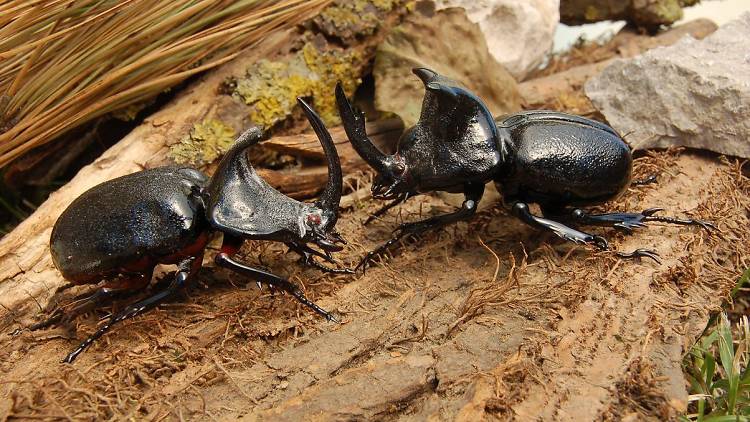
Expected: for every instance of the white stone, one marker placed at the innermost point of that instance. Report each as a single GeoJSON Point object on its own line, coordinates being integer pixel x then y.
{"type": "Point", "coordinates": [693, 93]}
{"type": "Point", "coordinates": [519, 33]}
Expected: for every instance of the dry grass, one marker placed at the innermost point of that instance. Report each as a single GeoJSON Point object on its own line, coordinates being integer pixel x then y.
{"type": "Point", "coordinates": [66, 62]}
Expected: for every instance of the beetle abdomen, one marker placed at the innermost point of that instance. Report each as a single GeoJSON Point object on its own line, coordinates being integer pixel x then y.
{"type": "Point", "coordinates": [561, 159]}
{"type": "Point", "coordinates": [146, 215]}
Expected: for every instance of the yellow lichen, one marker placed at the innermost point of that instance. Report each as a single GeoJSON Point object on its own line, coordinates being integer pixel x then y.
{"type": "Point", "coordinates": [661, 12]}
{"type": "Point", "coordinates": [360, 17]}
{"type": "Point", "coordinates": [207, 141]}
{"type": "Point", "coordinates": [591, 14]}
{"type": "Point", "coordinates": [272, 88]}
{"type": "Point", "coordinates": [340, 16]}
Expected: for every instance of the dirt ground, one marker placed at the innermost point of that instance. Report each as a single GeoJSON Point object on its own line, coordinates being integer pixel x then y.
{"type": "Point", "coordinates": [484, 320]}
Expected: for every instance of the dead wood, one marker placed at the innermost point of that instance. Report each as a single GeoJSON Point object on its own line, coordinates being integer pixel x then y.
{"type": "Point", "coordinates": [307, 145]}
{"type": "Point", "coordinates": [308, 181]}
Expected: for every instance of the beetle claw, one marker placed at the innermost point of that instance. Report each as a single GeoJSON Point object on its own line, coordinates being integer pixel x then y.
{"type": "Point", "coordinates": [601, 242]}
{"type": "Point", "coordinates": [651, 211]}
{"type": "Point", "coordinates": [363, 263]}
{"type": "Point", "coordinates": [641, 253]}
{"type": "Point", "coordinates": [648, 215]}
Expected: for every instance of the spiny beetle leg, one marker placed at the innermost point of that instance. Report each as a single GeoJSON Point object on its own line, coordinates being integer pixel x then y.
{"type": "Point", "coordinates": [186, 270]}
{"type": "Point", "coordinates": [647, 181]}
{"type": "Point", "coordinates": [79, 307]}
{"type": "Point", "coordinates": [386, 207]}
{"type": "Point", "coordinates": [375, 252]}
{"type": "Point", "coordinates": [89, 301]}
{"type": "Point", "coordinates": [326, 269]}
{"type": "Point", "coordinates": [640, 253]}
{"type": "Point", "coordinates": [649, 216]}
{"type": "Point", "coordinates": [473, 194]}
{"type": "Point", "coordinates": [224, 260]}
{"type": "Point", "coordinates": [404, 230]}
{"type": "Point", "coordinates": [627, 221]}
{"type": "Point", "coordinates": [521, 210]}
{"type": "Point", "coordinates": [308, 254]}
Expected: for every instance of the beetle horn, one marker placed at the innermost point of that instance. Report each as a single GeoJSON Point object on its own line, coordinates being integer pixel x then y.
{"type": "Point", "coordinates": [354, 125]}
{"type": "Point", "coordinates": [329, 199]}
{"type": "Point", "coordinates": [434, 82]}
{"type": "Point", "coordinates": [426, 75]}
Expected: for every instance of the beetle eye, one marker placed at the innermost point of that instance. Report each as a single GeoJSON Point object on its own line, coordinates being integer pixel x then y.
{"type": "Point", "coordinates": [313, 219]}
{"type": "Point", "coordinates": [398, 168]}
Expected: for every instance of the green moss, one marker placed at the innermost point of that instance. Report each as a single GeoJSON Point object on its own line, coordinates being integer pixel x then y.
{"type": "Point", "coordinates": [272, 88]}
{"type": "Point", "coordinates": [207, 141]}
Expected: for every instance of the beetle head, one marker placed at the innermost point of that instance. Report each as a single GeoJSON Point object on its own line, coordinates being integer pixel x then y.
{"type": "Point", "coordinates": [319, 230]}
{"type": "Point", "coordinates": [393, 178]}
{"type": "Point", "coordinates": [240, 203]}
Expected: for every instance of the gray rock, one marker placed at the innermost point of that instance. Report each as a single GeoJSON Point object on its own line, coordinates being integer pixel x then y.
{"type": "Point", "coordinates": [519, 34]}
{"type": "Point", "coordinates": [447, 42]}
{"type": "Point", "coordinates": [693, 93]}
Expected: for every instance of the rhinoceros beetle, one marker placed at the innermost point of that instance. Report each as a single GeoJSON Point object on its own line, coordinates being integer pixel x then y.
{"type": "Point", "coordinates": [557, 160]}
{"type": "Point", "coordinates": [120, 230]}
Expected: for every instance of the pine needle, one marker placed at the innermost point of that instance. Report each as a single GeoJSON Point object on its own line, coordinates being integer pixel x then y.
{"type": "Point", "coordinates": [66, 62]}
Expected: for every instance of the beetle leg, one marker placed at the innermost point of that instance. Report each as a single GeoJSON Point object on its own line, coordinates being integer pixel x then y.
{"type": "Point", "coordinates": [473, 194]}
{"type": "Point", "coordinates": [647, 181]}
{"type": "Point", "coordinates": [627, 221]}
{"type": "Point", "coordinates": [521, 210]}
{"type": "Point", "coordinates": [186, 269]}
{"type": "Point", "coordinates": [640, 253]}
{"type": "Point", "coordinates": [307, 257]}
{"type": "Point", "coordinates": [224, 260]}
{"type": "Point", "coordinates": [386, 207]}
{"type": "Point", "coordinates": [88, 302]}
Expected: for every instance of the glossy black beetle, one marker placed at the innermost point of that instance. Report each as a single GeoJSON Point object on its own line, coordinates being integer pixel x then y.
{"type": "Point", "coordinates": [559, 161]}
{"type": "Point", "coordinates": [121, 229]}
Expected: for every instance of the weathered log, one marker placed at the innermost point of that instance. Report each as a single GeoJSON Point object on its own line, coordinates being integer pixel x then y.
{"type": "Point", "coordinates": [307, 145]}
{"type": "Point", "coordinates": [308, 181]}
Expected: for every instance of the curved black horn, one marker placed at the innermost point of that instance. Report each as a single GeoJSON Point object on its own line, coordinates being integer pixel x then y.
{"type": "Point", "coordinates": [425, 74]}
{"type": "Point", "coordinates": [354, 125]}
{"type": "Point", "coordinates": [329, 199]}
